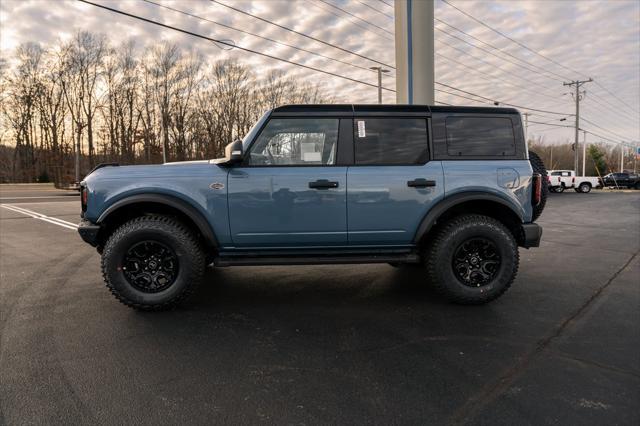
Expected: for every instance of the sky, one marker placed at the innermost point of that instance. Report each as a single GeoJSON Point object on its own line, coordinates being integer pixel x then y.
{"type": "Point", "coordinates": [577, 40]}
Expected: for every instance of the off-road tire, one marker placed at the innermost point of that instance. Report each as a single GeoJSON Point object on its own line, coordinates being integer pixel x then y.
{"type": "Point", "coordinates": [538, 167]}
{"type": "Point", "coordinates": [169, 232]}
{"type": "Point", "coordinates": [439, 258]}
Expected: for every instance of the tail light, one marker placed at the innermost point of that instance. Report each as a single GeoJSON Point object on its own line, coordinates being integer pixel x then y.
{"type": "Point", "coordinates": [573, 180]}
{"type": "Point", "coordinates": [83, 198]}
{"type": "Point", "coordinates": [536, 195]}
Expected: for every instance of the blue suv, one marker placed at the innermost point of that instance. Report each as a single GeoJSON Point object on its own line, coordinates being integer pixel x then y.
{"type": "Point", "coordinates": [453, 189]}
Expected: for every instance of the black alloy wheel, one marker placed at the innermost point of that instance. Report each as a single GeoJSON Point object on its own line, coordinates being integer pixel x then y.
{"type": "Point", "coordinates": [476, 262]}
{"type": "Point", "coordinates": [150, 266]}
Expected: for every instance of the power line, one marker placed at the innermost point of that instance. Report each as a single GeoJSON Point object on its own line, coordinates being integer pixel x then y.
{"type": "Point", "coordinates": [258, 36]}
{"type": "Point", "coordinates": [458, 95]}
{"type": "Point", "coordinates": [493, 78]}
{"type": "Point", "coordinates": [384, 2]}
{"type": "Point", "coordinates": [602, 128]}
{"type": "Point", "coordinates": [612, 94]}
{"type": "Point", "coordinates": [607, 139]}
{"type": "Point", "coordinates": [538, 54]}
{"type": "Point", "coordinates": [355, 16]}
{"type": "Point", "coordinates": [619, 112]}
{"type": "Point", "coordinates": [545, 129]}
{"type": "Point", "coordinates": [540, 69]}
{"type": "Point", "coordinates": [550, 124]}
{"type": "Point", "coordinates": [303, 34]}
{"type": "Point", "coordinates": [230, 44]}
{"type": "Point", "coordinates": [507, 72]}
{"type": "Point", "coordinates": [514, 41]}
{"type": "Point", "coordinates": [496, 102]}
{"type": "Point", "coordinates": [491, 53]}
{"type": "Point", "coordinates": [369, 30]}
{"type": "Point", "coordinates": [377, 10]}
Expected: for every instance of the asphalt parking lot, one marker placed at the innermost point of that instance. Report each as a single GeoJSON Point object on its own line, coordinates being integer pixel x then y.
{"type": "Point", "coordinates": [367, 344]}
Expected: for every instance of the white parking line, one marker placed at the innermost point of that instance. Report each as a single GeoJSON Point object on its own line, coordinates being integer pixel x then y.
{"type": "Point", "coordinates": [47, 197]}
{"type": "Point", "coordinates": [40, 216]}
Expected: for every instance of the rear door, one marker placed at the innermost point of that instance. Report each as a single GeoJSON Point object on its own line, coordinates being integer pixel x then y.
{"type": "Point", "coordinates": [392, 183]}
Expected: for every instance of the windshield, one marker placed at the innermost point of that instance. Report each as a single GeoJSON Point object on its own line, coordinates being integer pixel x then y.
{"type": "Point", "coordinates": [252, 132]}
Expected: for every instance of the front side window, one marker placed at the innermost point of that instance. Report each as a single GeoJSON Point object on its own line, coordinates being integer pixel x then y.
{"type": "Point", "coordinates": [296, 141]}
{"type": "Point", "coordinates": [480, 136]}
{"type": "Point", "coordinates": [388, 141]}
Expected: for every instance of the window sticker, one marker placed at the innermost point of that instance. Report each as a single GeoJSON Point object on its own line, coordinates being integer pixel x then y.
{"type": "Point", "coordinates": [361, 130]}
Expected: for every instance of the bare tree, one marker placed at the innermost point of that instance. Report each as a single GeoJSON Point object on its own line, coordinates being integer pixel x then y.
{"type": "Point", "coordinates": [88, 99]}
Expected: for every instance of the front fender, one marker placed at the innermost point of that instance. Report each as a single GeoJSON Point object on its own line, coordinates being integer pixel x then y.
{"type": "Point", "coordinates": [189, 209]}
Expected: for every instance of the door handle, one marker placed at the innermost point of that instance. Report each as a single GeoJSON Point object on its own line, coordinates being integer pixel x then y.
{"type": "Point", "coordinates": [421, 183]}
{"type": "Point", "coordinates": [323, 184]}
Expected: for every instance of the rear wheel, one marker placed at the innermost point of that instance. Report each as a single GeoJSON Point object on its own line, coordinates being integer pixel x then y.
{"type": "Point", "coordinates": [585, 188]}
{"type": "Point", "coordinates": [560, 189]}
{"type": "Point", "coordinates": [152, 263]}
{"type": "Point", "coordinates": [473, 259]}
{"type": "Point", "coordinates": [538, 167]}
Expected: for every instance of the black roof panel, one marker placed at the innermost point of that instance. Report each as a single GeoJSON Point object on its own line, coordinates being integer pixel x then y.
{"type": "Point", "coordinates": [375, 108]}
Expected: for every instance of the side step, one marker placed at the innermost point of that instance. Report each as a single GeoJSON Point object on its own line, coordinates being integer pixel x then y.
{"type": "Point", "coordinates": [315, 259]}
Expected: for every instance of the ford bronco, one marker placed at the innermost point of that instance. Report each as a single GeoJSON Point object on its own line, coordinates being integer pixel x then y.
{"type": "Point", "coordinates": [453, 189]}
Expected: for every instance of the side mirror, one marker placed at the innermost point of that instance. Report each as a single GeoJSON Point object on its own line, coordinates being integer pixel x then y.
{"type": "Point", "coordinates": [233, 153]}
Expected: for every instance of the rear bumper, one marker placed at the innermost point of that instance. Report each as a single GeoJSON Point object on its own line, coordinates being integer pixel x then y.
{"type": "Point", "coordinates": [531, 235]}
{"type": "Point", "coordinates": [89, 232]}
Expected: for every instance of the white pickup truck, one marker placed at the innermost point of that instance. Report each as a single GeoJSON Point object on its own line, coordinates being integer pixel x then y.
{"type": "Point", "coordinates": [559, 180]}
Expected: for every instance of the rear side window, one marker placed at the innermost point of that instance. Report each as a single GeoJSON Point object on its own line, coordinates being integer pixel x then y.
{"type": "Point", "coordinates": [388, 141]}
{"type": "Point", "coordinates": [480, 136]}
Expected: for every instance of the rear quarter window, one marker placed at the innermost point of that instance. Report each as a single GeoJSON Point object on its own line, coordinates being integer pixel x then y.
{"type": "Point", "coordinates": [479, 136]}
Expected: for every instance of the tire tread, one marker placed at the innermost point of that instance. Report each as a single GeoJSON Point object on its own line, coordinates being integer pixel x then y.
{"type": "Point", "coordinates": [438, 243]}
{"type": "Point", "coordinates": [161, 223]}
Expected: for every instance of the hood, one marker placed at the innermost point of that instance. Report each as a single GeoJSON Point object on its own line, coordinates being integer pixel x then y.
{"type": "Point", "coordinates": [178, 169]}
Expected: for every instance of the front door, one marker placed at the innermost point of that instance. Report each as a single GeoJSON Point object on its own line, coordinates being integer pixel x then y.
{"type": "Point", "coordinates": [392, 184]}
{"type": "Point", "coordinates": [289, 192]}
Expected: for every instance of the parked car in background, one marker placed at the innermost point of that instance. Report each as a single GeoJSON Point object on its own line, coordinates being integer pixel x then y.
{"type": "Point", "coordinates": [559, 180]}
{"type": "Point", "coordinates": [622, 180]}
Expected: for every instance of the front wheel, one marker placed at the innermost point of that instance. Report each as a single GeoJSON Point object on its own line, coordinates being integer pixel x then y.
{"type": "Point", "coordinates": [152, 263]}
{"type": "Point", "coordinates": [472, 259]}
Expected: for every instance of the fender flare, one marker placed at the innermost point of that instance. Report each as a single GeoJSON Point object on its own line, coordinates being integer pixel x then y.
{"type": "Point", "coordinates": [448, 202]}
{"type": "Point", "coordinates": [184, 207]}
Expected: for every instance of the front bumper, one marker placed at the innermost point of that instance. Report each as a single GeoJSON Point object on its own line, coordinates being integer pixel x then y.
{"type": "Point", "coordinates": [531, 235]}
{"type": "Point", "coordinates": [89, 232]}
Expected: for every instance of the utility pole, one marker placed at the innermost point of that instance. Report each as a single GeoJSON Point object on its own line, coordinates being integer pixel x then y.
{"type": "Point", "coordinates": [584, 152]}
{"type": "Point", "coordinates": [578, 97]}
{"type": "Point", "coordinates": [414, 36]}
{"type": "Point", "coordinates": [380, 71]}
{"type": "Point", "coordinates": [526, 126]}
{"type": "Point", "coordinates": [621, 158]}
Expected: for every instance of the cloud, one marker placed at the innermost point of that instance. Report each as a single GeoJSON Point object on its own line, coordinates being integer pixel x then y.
{"type": "Point", "coordinates": [600, 39]}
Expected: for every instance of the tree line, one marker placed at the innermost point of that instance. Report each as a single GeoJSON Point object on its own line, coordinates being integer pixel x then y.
{"type": "Point", "coordinates": [601, 158]}
{"type": "Point", "coordinates": [100, 102]}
